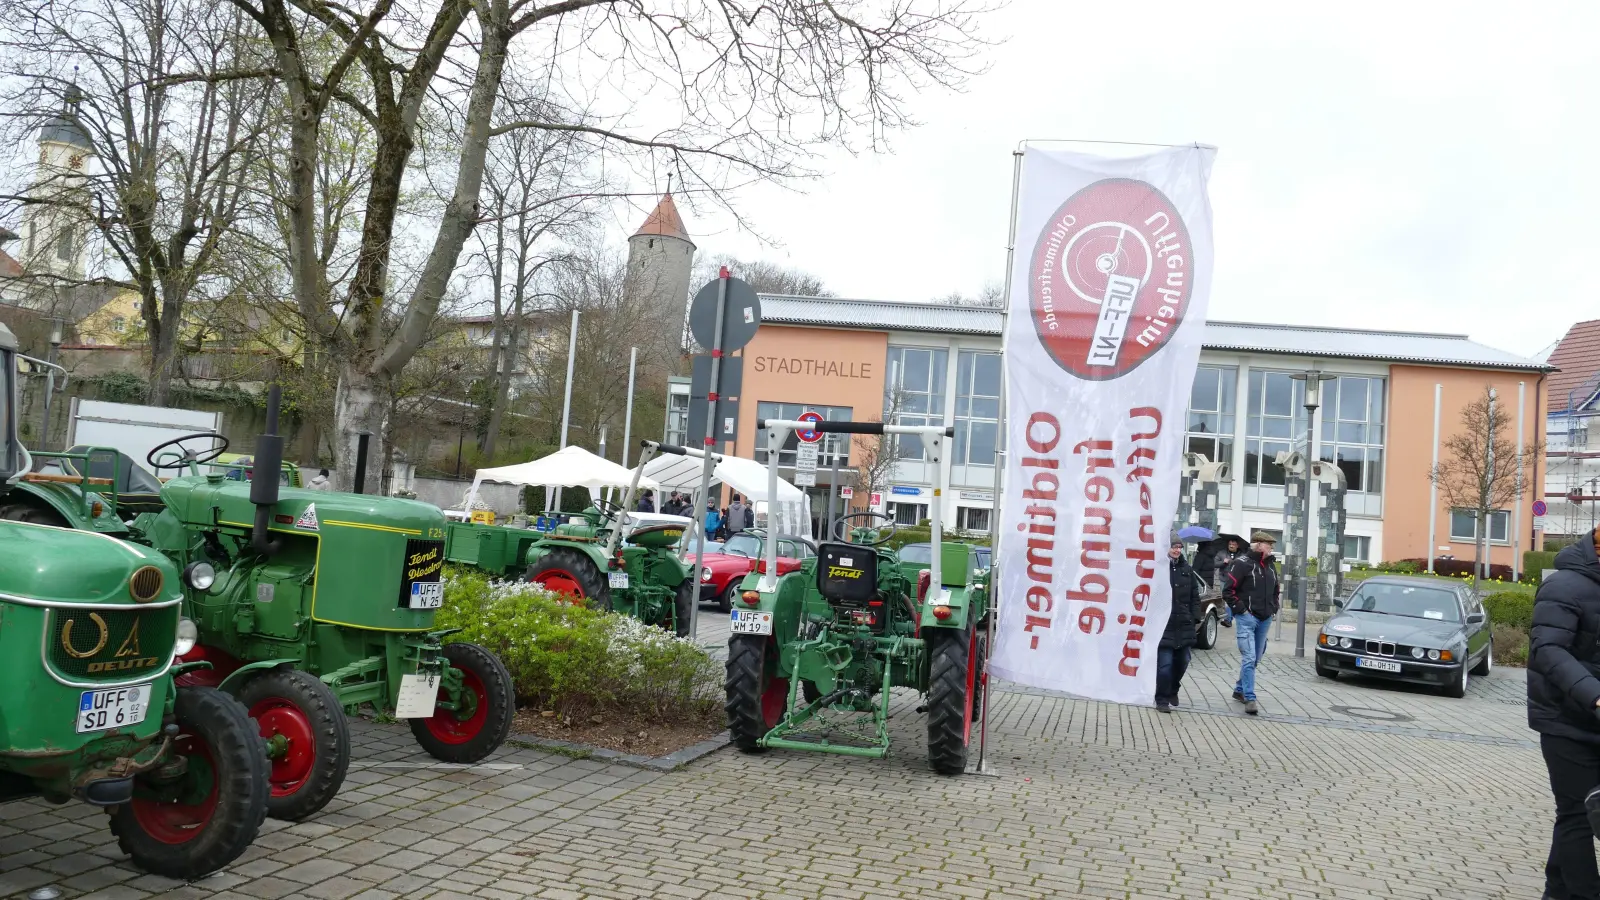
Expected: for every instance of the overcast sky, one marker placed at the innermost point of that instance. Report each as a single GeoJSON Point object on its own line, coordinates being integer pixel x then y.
{"type": "Point", "coordinates": [1414, 166]}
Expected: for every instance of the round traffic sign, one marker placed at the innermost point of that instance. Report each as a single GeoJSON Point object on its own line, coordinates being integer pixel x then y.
{"type": "Point", "coordinates": [1539, 508]}
{"type": "Point", "coordinates": [808, 435]}
{"type": "Point", "coordinates": [740, 318]}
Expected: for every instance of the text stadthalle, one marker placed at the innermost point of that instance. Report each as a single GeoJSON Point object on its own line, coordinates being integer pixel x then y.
{"type": "Point", "coordinates": [824, 368]}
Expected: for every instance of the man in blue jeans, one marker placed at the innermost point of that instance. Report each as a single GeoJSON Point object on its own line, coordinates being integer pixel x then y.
{"type": "Point", "coordinates": [1252, 590]}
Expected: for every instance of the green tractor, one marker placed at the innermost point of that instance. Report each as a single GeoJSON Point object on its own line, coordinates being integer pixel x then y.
{"type": "Point", "coordinates": [616, 560]}
{"type": "Point", "coordinates": [92, 710]}
{"type": "Point", "coordinates": [304, 605]}
{"type": "Point", "coordinates": [815, 652]}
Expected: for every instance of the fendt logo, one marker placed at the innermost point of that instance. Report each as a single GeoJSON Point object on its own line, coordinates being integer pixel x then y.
{"type": "Point", "coordinates": [842, 572]}
{"type": "Point", "coordinates": [1110, 278]}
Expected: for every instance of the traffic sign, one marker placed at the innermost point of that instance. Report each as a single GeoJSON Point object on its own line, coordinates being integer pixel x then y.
{"type": "Point", "coordinates": [807, 435]}
{"type": "Point", "coordinates": [740, 319]}
{"type": "Point", "coordinates": [847, 492]}
{"type": "Point", "coordinates": [875, 500]}
{"type": "Point", "coordinates": [805, 465]}
{"type": "Point", "coordinates": [730, 376]}
{"type": "Point", "coordinates": [1539, 508]}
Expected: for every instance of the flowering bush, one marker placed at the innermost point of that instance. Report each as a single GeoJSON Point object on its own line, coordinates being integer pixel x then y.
{"type": "Point", "coordinates": [576, 660]}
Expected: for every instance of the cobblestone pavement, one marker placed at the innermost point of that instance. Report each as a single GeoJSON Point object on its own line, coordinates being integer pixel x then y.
{"type": "Point", "coordinates": [1338, 790]}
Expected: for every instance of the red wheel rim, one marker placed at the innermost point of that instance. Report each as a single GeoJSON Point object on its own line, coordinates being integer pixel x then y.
{"type": "Point", "coordinates": [773, 701]}
{"type": "Point", "coordinates": [180, 823]}
{"type": "Point", "coordinates": [279, 716]}
{"type": "Point", "coordinates": [444, 724]}
{"type": "Point", "coordinates": [972, 680]}
{"type": "Point", "coordinates": [559, 581]}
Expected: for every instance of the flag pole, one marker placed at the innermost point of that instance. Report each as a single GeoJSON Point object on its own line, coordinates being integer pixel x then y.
{"type": "Point", "coordinates": [996, 526]}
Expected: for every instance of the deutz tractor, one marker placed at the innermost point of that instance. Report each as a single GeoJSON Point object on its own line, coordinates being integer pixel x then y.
{"type": "Point", "coordinates": [305, 605]}
{"type": "Point", "coordinates": [90, 711]}
{"type": "Point", "coordinates": [815, 652]}
{"type": "Point", "coordinates": [639, 574]}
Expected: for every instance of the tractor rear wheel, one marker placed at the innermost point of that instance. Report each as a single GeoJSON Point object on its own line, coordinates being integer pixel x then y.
{"type": "Point", "coordinates": [308, 740]}
{"type": "Point", "coordinates": [683, 607]}
{"type": "Point", "coordinates": [478, 729]}
{"type": "Point", "coordinates": [755, 701]}
{"type": "Point", "coordinates": [214, 806]}
{"type": "Point", "coordinates": [955, 694]}
{"type": "Point", "coordinates": [33, 515]}
{"type": "Point", "coordinates": [567, 571]}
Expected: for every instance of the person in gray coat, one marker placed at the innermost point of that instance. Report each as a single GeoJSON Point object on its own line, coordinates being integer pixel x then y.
{"type": "Point", "coordinates": [736, 515]}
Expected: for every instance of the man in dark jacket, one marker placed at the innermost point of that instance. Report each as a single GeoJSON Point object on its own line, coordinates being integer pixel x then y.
{"type": "Point", "coordinates": [1172, 656]}
{"type": "Point", "coordinates": [1251, 587]}
{"type": "Point", "coordinates": [647, 502]}
{"type": "Point", "coordinates": [1564, 707]}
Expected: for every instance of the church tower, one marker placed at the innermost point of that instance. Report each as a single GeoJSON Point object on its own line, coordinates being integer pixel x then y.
{"type": "Point", "coordinates": [54, 229]}
{"type": "Point", "coordinates": [660, 258]}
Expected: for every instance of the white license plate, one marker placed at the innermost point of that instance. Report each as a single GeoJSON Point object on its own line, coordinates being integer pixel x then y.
{"type": "Point", "coordinates": [113, 708]}
{"type": "Point", "coordinates": [751, 621]}
{"type": "Point", "coordinates": [1381, 665]}
{"type": "Point", "coordinates": [427, 595]}
{"type": "Point", "coordinates": [619, 580]}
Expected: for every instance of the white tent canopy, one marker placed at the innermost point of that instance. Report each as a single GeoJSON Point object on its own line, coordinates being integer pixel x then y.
{"type": "Point", "coordinates": [567, 467]}
{"type": "Point", "coordinates": [746, 476]}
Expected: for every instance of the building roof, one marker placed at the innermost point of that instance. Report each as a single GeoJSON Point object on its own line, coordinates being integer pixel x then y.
{"type": "Point", "coordinates": [64, 127]}
{"type": "Point", "coordinates": [1578, 358]}
{"type": "Point", "coordinates": [9, 267]}
{"type": "Point", "coordinates": [1295, 340]}
{"type": "Point", "coordinates": [665, 221]}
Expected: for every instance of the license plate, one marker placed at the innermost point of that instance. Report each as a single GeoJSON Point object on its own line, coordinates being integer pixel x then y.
{"type": "Point", "coordinates": [427, 595]}
{"type": "Point", "coordinates": [112, 708]}
{"type": "Point", "coordinates": [619, 580]}
{"type": "Point", "coordinates": [1381, 665]}
{"type": "Point", "coordinates": [751, 621]}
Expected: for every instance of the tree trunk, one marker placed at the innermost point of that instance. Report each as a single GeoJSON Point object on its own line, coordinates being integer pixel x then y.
{"type": "Point", "coordinates": [359, 405]}
{"type": "Point", "coordinates": [164, 349]}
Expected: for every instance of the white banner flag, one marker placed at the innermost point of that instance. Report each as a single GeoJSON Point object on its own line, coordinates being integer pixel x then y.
{"type": "Point", "coordinates": [1108, 302]}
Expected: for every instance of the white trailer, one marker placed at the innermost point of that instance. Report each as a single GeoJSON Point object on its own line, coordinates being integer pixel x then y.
{"type": "Point", "coordinates": [134, 430]}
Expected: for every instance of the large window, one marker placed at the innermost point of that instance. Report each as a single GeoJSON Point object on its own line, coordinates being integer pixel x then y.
{"type": "Point", "coordinates": [832, 445]}
{"type": "Point", "coordinates": [915, 392]}
{"type": "Point", "coordinates": [972, 518]}
{"type": "Point", "coordinates": [1464, 526]}
{"type": "Point", "coordinates": [977, 420]}
{"type": "Point", "coordinates": [1358, 548]}
{"type": "Point", "coordinates": [1352, 430]}
{"type": "Point", "coordinates": [1276, 417]}
{"type": "Point", "coordinates": [908, 513]}
{"type": "Point", "coordinates": [1211, 418]}
{"type": "Point", "coordinates": [678, 419]}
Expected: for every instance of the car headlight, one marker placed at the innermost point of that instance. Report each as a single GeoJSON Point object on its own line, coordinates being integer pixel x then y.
{"type": "Point", "coordinates": [200, 575]}
{"type": "Point", "coordinates": [1418, 652]}
{"type": "Point", "coordinates": [1346, 643]}
{"type": "Point", "coordinates": [1433, 654]}
{"type": "Point", "coordinates": [705, 573]}
{"type": "Point", "coordinates": [188, 636]}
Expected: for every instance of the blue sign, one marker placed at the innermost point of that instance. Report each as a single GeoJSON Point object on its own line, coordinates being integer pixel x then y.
{"type": "Point", "coordinates": [906, 491]}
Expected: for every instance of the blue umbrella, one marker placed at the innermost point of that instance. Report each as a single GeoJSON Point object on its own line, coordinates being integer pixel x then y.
{"type": "Point", "coordinates": [1196, 533]}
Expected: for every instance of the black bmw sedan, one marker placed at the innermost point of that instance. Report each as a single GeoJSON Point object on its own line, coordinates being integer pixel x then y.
{"type": "Point", "coordinates": [1420, 630]}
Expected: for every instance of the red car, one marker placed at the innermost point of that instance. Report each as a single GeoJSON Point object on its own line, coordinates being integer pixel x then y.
{"type": "Point", "coordinates": [740, 555]}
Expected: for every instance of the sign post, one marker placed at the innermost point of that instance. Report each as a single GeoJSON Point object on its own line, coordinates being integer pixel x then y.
{"type": "Point", "coordinates": [805, 458]}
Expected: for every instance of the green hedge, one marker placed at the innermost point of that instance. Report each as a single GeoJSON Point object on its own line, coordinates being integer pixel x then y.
{"type": "Point", "coordinates": [575, 660]}
{"type": "Point", "coordinates": [917, 534]}
{"type": "Point", "coordinates": [1510, 608]}
{"type": "Point", "coordinates": [1536, 561]}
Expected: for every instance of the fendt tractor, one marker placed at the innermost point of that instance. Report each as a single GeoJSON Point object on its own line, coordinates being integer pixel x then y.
{"type": "Point", "coordinates": [304, 605]}
{"type": "Point", "coordinates": [610, 561]}
{"type": "Point", "coordinates": [816, 651]}
{"type": "Point", "coordinates": [89, 633]}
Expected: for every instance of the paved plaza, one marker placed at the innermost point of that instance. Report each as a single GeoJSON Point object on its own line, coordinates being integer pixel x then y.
{"type": "Point", "coordinates": [1339, 790]}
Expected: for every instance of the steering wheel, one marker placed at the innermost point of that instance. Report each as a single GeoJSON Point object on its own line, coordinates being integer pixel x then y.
{"type": "Point", "coordinates": [883, 539]}
{"type": "Point", "coordinates": [220, 447]}
{"type": "Point", "coordinates": [610, 509]}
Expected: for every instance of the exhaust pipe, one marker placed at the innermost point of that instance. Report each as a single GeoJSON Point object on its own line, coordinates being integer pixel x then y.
{"type": "Point", "coordinates": [264, 484]}
{"type": "Point", "coordinates": [360, 487]}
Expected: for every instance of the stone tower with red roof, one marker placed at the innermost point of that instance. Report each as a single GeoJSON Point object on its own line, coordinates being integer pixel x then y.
{"type": "Point", "coordinates": [661, 257]}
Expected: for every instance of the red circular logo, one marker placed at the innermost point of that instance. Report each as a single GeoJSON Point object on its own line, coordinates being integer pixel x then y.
{"type": "Point", "coordinates": [807, 435]}
{"type": "Point", "coordinates": [1111, 278]}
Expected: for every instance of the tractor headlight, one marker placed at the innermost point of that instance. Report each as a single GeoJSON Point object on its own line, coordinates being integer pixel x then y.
{"type": "Point", "coordinates": [705, 573]}
{"type": "Point", "coordinates": [188, 636]}
{"type": "Point", "coordinates": [200, 576]}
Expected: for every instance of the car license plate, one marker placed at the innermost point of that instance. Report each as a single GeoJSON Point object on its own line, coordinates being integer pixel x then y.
{"type": "Point", "coordinates": [751, 621]}
{"type": "Point", "coordinates": [619, 580]}
{"type": "Point", "coordinates": [427, 595]}
{"type": "Point", "coordinates": [1381, 665]}
{"type": "Point", "coordinates": [113, 708]}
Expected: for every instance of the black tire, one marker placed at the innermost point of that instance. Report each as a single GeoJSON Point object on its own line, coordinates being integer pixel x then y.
{"type": "Point", "coordinates": [810, 691]}
{"type": "Point", "coordinates": [754, 701]}
{"type": "Point", "coordinates": [955, 659]}
{"type": "Point", "coordinates": [1205, 637]}
{"type": "Point", "coordinates": [33, 515]}
{"type": "Point", "coordinates": [683, 607]}
{"type": "Point", "coordinates": [580, 569]}
{"type": "Point", "coordinates": [297, 706]}
{"type": "Point", "coordinates": [1326, 672]}
{"type": "Point", "coordinates": [216, 725]}
{"type": "Point", "coordinates": [1457, 686]}
{"type": "Point", "coordinates": [448, 738]}
{"type": "Point", "coordinates": [726, 598]}
{"type": "Point", "coordinates": [1485, 665]}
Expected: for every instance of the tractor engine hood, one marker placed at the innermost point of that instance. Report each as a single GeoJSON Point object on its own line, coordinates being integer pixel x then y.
{"type": "Point", "coordinates": [192, 498]}
{"type": "Point", "coordinates": [65, 566]}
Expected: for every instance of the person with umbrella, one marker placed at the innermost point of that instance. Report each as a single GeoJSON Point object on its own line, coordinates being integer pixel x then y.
{"type": "Point", "coordinates": [1232, 549]}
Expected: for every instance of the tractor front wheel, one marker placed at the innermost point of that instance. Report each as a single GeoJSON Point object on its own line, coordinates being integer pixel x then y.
{"type": "Point", "coordinates": [201, 808]}
{"type": "Point", "coordinates": [955, 695]}
{"type": "Point", "coordinates": [683, 607]}
{"type": "Point", "coordinates": [308, 740]}
{"type": "Point", "coordinates": [569, 572]}
{"type": "Point", "coordinates": [482, 719]}
{"type": "Point", "coordinates": [755, 702]}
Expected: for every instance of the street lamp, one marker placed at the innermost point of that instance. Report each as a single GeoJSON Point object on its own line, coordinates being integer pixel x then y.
{"type": "Point", "coordinates": [1313, 381]}
{"type": "Point", "coordinates": [56, 326]}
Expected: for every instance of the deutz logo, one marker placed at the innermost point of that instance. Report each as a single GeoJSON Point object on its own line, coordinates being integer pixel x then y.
{"type": "Point", "coordinates": [127, 658]}
{"type": "Point", "coordinates": [842, 572]}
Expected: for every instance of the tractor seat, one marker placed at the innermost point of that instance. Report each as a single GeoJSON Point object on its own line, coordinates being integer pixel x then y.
{"type": "Point", "coordinates": [662, 536]}
{"type": "Point", "coordinates": [847, 574]}
{"type": "Point", "coordinates": [137, 490]}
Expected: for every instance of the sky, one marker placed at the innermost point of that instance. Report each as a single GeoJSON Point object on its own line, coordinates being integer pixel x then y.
{"type": "Point", "coordinates": [1410, 166]}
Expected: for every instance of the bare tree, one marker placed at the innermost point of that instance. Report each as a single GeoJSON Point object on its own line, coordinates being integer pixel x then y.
{"type": "Point", "coordinates": [171, 140]}
{"type": "Point", "coordinates": [765, 276]}
{"type": "Point", "coordinates": [1483, 472]}
{"type": "Point", "coordinates": [876, 456]}
{"type": "Point", "coordinates": [992, 295]}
